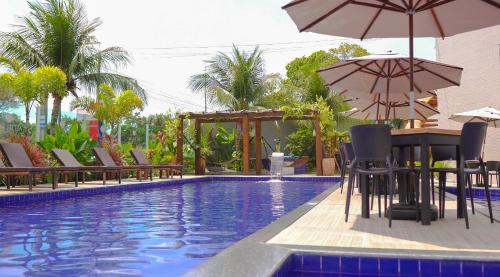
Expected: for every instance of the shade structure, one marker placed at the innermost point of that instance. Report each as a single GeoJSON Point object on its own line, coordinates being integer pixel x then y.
{"type": "Point", "coordinates": [394, 18]}
{"type": "Point", "coordinates": [486, 114]}
{"type": "Point", "coordinates": [379, 110]}
{"type": "Point", "coordinates": [390, 18]}
{"type": "Point", "coordinates": [388, 75]}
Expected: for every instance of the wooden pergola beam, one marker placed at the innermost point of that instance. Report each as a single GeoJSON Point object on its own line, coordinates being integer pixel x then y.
{"type": "Point", "coordinates": [258, 147]}
{"type": "Point", "coordinates": [197, 151]}
{"type": "Point", "coordinates": [319, 147]}
{"type": "Point", "coordinates": [246, 145]}
{"type": "Point", "coordinates": [180, 142]}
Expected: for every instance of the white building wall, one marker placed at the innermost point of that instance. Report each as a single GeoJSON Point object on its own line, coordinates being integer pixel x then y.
{"type": "Point", "coordinates": [478, 52]}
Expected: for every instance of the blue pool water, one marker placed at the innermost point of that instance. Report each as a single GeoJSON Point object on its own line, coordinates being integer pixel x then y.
{"type": "Point", "coordinates": [153, 232]}
{"type": "Point", "coordinates": [480, 197]}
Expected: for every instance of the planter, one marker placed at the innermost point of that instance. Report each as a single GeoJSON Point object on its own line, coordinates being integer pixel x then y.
{"type": "Point", "coordinates": [329, 166]}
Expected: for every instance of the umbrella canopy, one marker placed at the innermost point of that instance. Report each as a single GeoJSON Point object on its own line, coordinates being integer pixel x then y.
{"type": "Point", "coordinates": [390, 18]}
{"type": "Point", "coordinates": [394, 18]}
{"type": "Point", "coordinates": [486, 114]}
{"type": "Point", "coordinates": [378, 110]}
{"type": "Point", "coordinates": [388, 75]}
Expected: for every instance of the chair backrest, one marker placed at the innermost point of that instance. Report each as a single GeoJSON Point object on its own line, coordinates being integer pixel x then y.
{"type": "Point", "coordinates": [472, 140]}
{"type": "Point", "coordinates": [15, 155]}
{"type": "Point", "coordinates": [371, 143]}
{"type": "Point", "coordinates": [103, 157]}
{"type": "Point", "coordinates": [349, 151]}
{"type": "Point", "coordinates": [442, 153]}
{"type": "Point", "coordinates": [65, 158]}
{"type": "Point", "coordinates": [139, 157]}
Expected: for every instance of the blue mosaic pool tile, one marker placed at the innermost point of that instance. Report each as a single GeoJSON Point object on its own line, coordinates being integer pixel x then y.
{"type": "Point", "coordinates": [408, 267]}
{"type": "Point", "coordinates": [297, 262]}
{"type": "Point", "coordinates": [369, 265]}
{"type": "Point", "coordinates": [389, 267]}
{"type": "Point", "coordinates": [473, 269]}
{"type": "Point", "coordinates": [311, 263]}
{"type": "Point", "coordinates": [451, 268]}
{"type": "Point", "coordinates": [349, 265]}
{"type": "Point", "coordinates": [330, 264]}
{"type": "Point", "coordinates": [430, 268]}
{"type": "Point", "coordinates": [491, 269]}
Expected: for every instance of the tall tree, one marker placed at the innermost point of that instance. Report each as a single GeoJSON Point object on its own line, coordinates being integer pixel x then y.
{"type": "Point", "coordinates": [236, 81]}
{"type": "Point", "coordinates": [58, 33]}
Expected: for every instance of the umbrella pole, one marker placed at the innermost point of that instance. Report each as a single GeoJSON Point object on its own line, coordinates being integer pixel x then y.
{"type": "Point", "coordinates": [412, 93]}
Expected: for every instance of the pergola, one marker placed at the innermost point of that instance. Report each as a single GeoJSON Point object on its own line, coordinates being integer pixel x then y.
{"type": "Point", "coordinates": [245, 117]}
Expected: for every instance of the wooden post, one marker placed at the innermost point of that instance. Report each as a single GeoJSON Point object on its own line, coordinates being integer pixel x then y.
{"type": "Point", "coordinates": [180, 141]}
{"type": "Point", "coordinates": [246, 145]}
{"type": "Point", "coordinates": [197, 150]}
{"type": "Point", "coordinates": [258, 146]}
{"type": "Point", "coordinates": [319, 150]}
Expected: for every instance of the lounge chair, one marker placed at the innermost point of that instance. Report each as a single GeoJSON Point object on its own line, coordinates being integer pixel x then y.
{"type": "Point", "coordinates": [66, 159]}
{"type": "Point", "coordinates": [20, 165]}
{"type": "Point", "coordinates": [170, 169]}
{"type": "Point", "coordinates": [105, 159]}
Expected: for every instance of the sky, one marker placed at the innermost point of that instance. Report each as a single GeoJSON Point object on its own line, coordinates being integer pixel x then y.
{"type": "Point", "coordinates": [169, 40]}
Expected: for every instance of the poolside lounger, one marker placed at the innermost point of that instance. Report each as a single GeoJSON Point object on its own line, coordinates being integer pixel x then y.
{"type": "Point", "coordinates": [170, 169]}
{"type": "Point", "coordinates": [105, 159]}
{"type": "Point", "coordinates": [20, 165]}
{"type": "Point", "coordinates": [66, 159]}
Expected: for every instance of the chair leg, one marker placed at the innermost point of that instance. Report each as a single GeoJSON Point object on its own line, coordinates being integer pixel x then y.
{"type": "Point", "coordinates": [372, 190]}
{"type": "Point", "coordinates": [342, 176]}
{"type": "Point", "coordinates": [432, 189]}
{"type": "Point", "coordinates": [488, 197]}
{"type": "Point", "coordinates": [463, 198]}
{"type": "Point", "coordinates": [417, 195]}
{"type": "Point", "coordinates": [348, 194]}
{"type": "Point", "coordinates": [104, 177]}
{"type": "Point", "coordinates": [471, 194]}
{"type": "Point", "coordinates": [76, 178]}
{"type": "Point", "coordinates": [391, 186]}
{"type": "Point", "coordinates": [379, 183]}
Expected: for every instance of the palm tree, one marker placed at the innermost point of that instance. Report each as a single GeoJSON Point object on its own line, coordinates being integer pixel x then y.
{"type": "Point", "coordinates": [233, 82]}
{"type": "Point", "coordinates": [58, 33]}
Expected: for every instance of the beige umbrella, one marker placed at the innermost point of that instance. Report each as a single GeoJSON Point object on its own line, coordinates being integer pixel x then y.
{"type": "Point", "coordinates": [394, 18]}
{"type": "Point", "coordinates": [379, 110]}
{"type": "Point", "coordinates": [486, 114]}
{"type": "Point", "coordinates": [388, 75]}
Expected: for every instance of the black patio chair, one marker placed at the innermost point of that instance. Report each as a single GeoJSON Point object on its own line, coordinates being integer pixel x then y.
{"type": "Point", "coordinates": [470, 163]}
{"type": "Point", "coordinates": [372, 156]}
{"type": "Point", "coordinates": [493, 167]}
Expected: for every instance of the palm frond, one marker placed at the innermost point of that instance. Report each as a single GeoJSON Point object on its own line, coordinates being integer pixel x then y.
{"type": "Point", "coordinates": [117, 81]}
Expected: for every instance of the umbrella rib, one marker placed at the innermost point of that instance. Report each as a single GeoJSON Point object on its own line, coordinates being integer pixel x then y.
{"type": "Point", "coordinates": [407, 77]}
{"type": "Point", "coordinates": [439, 75]}
{"type": "Point", "coordinates": [349, 74]}
{"type": "Point", "coordinates": [326, 15]}
{"type": "Point", "coordinates": [401, 10]}
{"type": "Point", "coordinates": [493, 3]}
{"type": "Point", "coordinates": [394, 5]}
{"type": "Point", "coordinates": [406, 4]}
{"type": "Point", "coordinates": [438, 23]}
{"type": "Point", "coordinates": [433, 4]}
{"type": "Point", "coordinates": [425, 106]}
{"type": "Point", "coordinates": [421, 114]}
{"type": "Point", "coordinates": [289, 5]}
{"type": "Point", "coordinates": [371, 23]}
{"type": "Point", "coordinates": [337, 66]}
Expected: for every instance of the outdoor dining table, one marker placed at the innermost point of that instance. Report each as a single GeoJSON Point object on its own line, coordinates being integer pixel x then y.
{"type": "Point", "coordinates": [423, 137]}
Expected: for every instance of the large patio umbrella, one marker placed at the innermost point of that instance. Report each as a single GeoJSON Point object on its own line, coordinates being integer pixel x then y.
{"type": "Point", "coordinates": [486, 114]}
{"type": "Point", "coordinates": [387, 77]}
{"type": "Point", "coordinates": [394, 18]}
{"type": "Point", "coordinates": [380, 110]}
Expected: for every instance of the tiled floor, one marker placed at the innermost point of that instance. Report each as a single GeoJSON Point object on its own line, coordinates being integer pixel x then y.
{"type": "Point", "coordinates": [324, 226]}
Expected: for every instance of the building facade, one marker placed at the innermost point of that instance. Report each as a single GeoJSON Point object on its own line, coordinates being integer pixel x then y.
{"type": "Point", "coordinates": [478, 52]}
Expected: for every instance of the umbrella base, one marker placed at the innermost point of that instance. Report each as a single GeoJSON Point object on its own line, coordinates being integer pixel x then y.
{"type": "Point", "coordinates": [407, 212]}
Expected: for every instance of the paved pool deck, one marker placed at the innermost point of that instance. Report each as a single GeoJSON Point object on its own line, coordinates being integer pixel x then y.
{"type": "Point", "coordinates": [324, 226]}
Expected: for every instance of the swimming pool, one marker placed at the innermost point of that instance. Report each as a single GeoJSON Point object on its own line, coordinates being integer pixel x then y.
{"type": "Point", "coordinates": [162, 231]}
{"type": "Point", "coordinates": [480, 196]}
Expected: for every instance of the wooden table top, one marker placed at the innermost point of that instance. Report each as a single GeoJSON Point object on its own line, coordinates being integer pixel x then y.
{"type": "Point", "coordinates": [400, 132]}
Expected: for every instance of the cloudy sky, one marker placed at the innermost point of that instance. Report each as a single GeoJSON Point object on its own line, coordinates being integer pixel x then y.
{"type": "Point", "coordinates": [169, 40]}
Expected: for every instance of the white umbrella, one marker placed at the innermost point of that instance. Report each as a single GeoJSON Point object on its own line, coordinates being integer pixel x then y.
{"type": "Point", "coordinates": [379, 110]}
{"type": "Point", "coordinates": [486, 114]}
{"type": "Point", "coordinates": [394, 18]}
{"type": "Point", "coordinates": [388, 75]}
